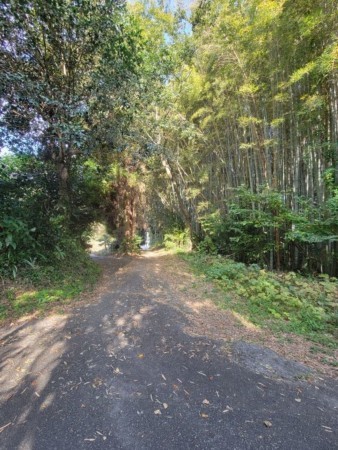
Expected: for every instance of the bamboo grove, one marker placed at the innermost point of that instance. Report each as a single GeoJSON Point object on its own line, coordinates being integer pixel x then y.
{"type": "Point", "coordinates": [247, 133]}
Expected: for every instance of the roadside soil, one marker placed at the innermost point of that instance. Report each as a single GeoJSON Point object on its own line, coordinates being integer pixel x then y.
{"type": "Point", "coordinates": [200, 299]}
{"type": "Point", "coordinates": [147, 361]}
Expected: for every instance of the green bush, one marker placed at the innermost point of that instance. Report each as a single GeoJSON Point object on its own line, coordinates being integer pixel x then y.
{"type": "Point", "coordinates": [16, 243]}
{"type": "Point", "coordinates": [176, 239]}
{"type": "Point", "coordinates": [34, 228]}
{"type": "Point", "coordinates": [131, 245]}
{"type": "Point", "coordinates": [260, 228]}
{"type": "Point", "coordinates": [300, 304]}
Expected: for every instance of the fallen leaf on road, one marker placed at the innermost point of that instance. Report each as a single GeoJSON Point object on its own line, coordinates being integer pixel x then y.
{"type": "Point", "coordinates": [5, 426]}
{"type": "Point", "coordinates": [141, 355]}
{"type": "Point", "coordinates": [157, 412]}
{"type": "Point", "coordinates": [97, 382]}
{"type": "Point", "coordinates": [227, 409]}
{"type": "Point", "coordinates": [204, 416]}
{"type": "Point", "coordinates": [267, 423]}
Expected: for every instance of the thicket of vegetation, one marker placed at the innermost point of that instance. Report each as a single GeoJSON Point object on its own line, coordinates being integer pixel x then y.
{"type": "Point", "coordinates": [246, 133]}
{"type": "Point", "coordinates": [280, 301]}
{"type": "Point", "coordinates": [222, 126]}
{"type": "Point", "coordinates": [67, 73]}
{"type": "Point", "coordinates": [66, 69]}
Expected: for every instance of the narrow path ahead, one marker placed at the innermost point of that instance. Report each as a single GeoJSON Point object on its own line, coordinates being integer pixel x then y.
{"type": "Point", "coordinates": [126, 371]}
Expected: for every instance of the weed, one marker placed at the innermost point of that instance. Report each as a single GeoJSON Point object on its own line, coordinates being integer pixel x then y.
{"type": "Point", "coordinates": [38, 290]}
{"type": "Point", "coordinates": [330, 362]}
{"type": "Point", "coordinates": [284, 302]}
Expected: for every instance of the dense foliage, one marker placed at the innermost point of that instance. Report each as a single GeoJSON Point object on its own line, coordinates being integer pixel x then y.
{"type": "Point", "coordinates": [285, 302]}
{"type": "Point", "coordinates": [224, 128]}
{"type": "Point", "coordinates": [33, 230]}
{"type": "Point", "coordinates": [67, 70]}
{"type": "Point", "coordinates": [246, 132]}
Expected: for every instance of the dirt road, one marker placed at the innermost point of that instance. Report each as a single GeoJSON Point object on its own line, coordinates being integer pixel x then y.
{"type": "Point", "coordinates": [140, 367]}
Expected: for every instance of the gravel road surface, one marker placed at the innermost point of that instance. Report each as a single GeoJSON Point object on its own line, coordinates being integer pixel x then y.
{"type": "Point", "coordinates": [124, 371]}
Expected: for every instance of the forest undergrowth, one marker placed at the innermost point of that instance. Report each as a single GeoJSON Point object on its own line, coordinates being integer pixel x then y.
{"type": "Point", "coordinates": [38, 289]}
{"type": "Point", "coordinates": [281, 302]}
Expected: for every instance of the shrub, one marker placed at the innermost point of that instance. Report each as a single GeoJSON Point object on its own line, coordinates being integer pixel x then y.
{"type": "Point", "coordinates": [176, 239]}
{"type": "Point", "coordinates": [261, 228]}
{"type": "Point", "coordinates": [131, 245]}
{"type": "Point", "coordinates": [303, 305]}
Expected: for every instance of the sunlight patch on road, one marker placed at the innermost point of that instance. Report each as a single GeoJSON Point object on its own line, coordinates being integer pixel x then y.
{"type": "Point", "coordinates": [121, 322]}
{"type": "Point", "coordinates": [198, 306]}
{"type": "Point", "coordinates": [118, 328]}
{"type": "Point", "coordinates": [29, 360]}
{"type": "Point", "coordinates": [48, 401]}
{"type": "Point", "coordinates": [155, 253]}
{"type": "Point", "coordinates": [245, 322]}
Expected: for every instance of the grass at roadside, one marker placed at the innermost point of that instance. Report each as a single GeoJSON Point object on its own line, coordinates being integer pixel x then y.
{"type": "Point", "coordinates": [41, 288]}
{"type": "Point", "coordinates": [282, 302]}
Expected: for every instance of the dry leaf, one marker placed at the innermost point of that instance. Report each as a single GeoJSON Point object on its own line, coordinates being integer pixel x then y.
{"type": "Point", "coordinates": [157, 412]}
{"type": "Point", "coordinates": [267, 423]}
{"type": "Point", "coordinates": [227, 409]}
{"type": "Point", "coordinates": [205, 416]}
{"type": "Point", "coordinates": [5, 426]}
{"type": "Point", "coordinates": [141, 355]}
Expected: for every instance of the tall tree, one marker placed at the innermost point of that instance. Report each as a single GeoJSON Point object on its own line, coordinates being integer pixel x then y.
{"type": "Point", "coordinates": [64, 71]}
